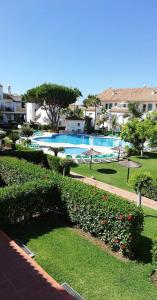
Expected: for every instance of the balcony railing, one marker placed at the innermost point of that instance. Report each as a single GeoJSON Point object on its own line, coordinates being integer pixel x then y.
{"type": "Point", "coordinates": [20, 109]}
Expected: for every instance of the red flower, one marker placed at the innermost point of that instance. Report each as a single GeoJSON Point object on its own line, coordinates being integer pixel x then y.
{"type": "Point", "coordinates": [116, 241]}
{"type": "Point", "coordinates": [103, 222]}
{"type": "Point", "coordinates": [121, 217]}
{"type": "Point", "coordinates": [130, 217]}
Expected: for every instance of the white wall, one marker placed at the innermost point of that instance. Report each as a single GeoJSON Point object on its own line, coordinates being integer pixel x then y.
{"type": "Point", "coordinates": [74, 125]}
{"type": "Point", "coordinates": [31, 109]}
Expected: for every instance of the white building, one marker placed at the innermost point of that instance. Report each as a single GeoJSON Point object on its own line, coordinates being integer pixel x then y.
{"type": "Point", "coordinates": [73, 125]}
{"type": "Point", "coordinates": [11, 107]}
{"type": "Point", "coordinates": [116, 101]}
{"type": "Point", "coordinates": [91, 113]}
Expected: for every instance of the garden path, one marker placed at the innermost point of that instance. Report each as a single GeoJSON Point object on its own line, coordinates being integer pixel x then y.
{"type": "Point", "coordinates": [115, 190]}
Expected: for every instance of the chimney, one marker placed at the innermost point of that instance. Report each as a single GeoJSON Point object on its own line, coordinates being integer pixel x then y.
{"type": "Point", "coordinates": [154, 92]}
{"type": "Point", "coordinates": [113, 92]}
{"type": "Point", "coordinates": [9, 89]}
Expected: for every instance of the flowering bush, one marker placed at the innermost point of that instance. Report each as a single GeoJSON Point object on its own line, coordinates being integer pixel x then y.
{"type": "Point", "coordinates": [35, 190]}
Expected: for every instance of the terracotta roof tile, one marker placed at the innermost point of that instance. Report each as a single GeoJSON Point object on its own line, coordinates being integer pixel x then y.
{"type": "Point", "coordinates": [21, 278]}
{"type": "Point", "coordinates": [129, 95]}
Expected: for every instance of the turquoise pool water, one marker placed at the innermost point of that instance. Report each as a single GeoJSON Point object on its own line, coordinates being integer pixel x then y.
{"type": "Point", "coordinates": [74, 150]}
{"type": "Point", "coordinates": [81, 139]}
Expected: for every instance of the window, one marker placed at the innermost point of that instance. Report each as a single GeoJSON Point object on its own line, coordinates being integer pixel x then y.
{"type": "Point", "coordinates": [110, 105]}
{"type": "Point", "coordinates": [150, 106]}
{"type": "Point", "coordinates": [106, 106]}
{"type": "Point", "coordinates": [115, 104]}
{"type": "Point", "coordinates": [144, 107]}
{"type": "Point", "coordinates": [78, 124]}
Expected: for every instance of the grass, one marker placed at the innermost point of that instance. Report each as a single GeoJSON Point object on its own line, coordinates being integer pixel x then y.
{"type": "Point", "coordinates": [95, 274]}
{"type": "Point", "coordinates": [113, 173]}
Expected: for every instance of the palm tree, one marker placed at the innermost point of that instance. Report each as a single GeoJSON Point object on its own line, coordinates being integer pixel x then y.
{"type": "Point", "coordinates": [92, 100]}
{"type": "Point", "coordinates": [104, 118]}
{"type": "Point", "coordinates": [14, 136]}
{"type": "Point", "coordinates": [114, 124]}
{"type": "Point", "coordinates": [133, 108]}
{"type": "Point", "coordinates": [56, 150]}
{"type": "Point", "coordinates": [85, 104]}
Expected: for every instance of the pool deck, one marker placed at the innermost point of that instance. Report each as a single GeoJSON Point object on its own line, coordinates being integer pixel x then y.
{"type": "Point", "coordinates": [102, 149]}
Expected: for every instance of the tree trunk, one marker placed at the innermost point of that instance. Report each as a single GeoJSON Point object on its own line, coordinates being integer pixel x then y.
{"type": "Point", "coordinates": [142, 151]}
{"type": "Point", "coordinates": [63, 172]}
{"type": "Point", "coordinates": [139, 198]}
{"type": "Point", "coordinates": [13, 146]}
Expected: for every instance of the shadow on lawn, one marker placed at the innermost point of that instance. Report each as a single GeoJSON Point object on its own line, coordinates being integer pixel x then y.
{"type": "Point", "coordinates": [148, 155]}
{"type": "Point", "coordinates": [145, 246]}
{"type": "Point", "coordinates": [107, 171]}
{"type": "Point", "coordinates": [144, 250]}
{"type": "Point", "coordinates": [37, 227]}
{"type": "Point", "coordinates": [44, 224]}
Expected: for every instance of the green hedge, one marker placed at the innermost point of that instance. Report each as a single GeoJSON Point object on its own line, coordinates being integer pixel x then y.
{"type": "Point", "coordinates": [35, 156]}
{"type": "Point", "coordinates": [150, 192]}
{"type": "Point", "coordinates": [113, 219]}
{"type": "Point", "coordinates": [22, 202]}
{"type": "Point", "coordinates": [38, 157]}
{"type": "Point", "coordinates": [15, 171]}
{"type": "Point", "coordinates": [58, 164]}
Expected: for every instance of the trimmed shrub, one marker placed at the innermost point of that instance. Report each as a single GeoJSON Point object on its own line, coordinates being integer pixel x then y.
{"type": "Point", "coordinates": [22, 202]}
{"type": "Point", "coordinates": [53, 162]}
{"type": "Point", "coordinates": [113, 219]}
{"type": "Point", "coordinates": [109, 217]}
{"type": "Point", "coordinates": [15, 171]}
{"type": "Point", "coordinates": [59, 164]}
{"type": "Point", "coordinates": [140, 180]}
{"type": "Point", "coordinates": [38, 157]}
{"type": "Point", "coordinates": [150, 192]}
{"type": "Point", "coordinates": [34, 156]}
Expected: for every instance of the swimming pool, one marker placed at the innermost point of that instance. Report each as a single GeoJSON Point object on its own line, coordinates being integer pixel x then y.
{"type": "Point", "coordinates": [74, 150]}
{"type": "Point", "coordinates": [81, 139]}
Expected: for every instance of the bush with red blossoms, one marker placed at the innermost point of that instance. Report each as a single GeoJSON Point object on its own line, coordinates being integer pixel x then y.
{"type": "Point", "coordinates": [32, 190]}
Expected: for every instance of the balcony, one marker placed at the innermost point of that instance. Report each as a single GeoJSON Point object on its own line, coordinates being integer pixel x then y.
{"type": "Point", "coordinates": [21, 110]}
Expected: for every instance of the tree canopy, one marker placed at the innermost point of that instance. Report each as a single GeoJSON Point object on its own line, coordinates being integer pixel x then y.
{"type": "Point", "coordinates": [52, 98]}
{"type": "Point", "coordinates": [77, 113]}
{"type": "Point", "coordinates": [137, 132]}
{"type": "Point", "coordinates": [133, 108]}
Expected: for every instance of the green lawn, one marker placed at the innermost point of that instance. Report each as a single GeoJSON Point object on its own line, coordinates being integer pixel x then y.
{"type": "Point", "coordinates": [69, 257]}
{"type": "Point", "coordinates": [113, 173]}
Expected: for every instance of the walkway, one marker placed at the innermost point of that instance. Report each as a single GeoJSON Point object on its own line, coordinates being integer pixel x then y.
{"type": "Point", "coordinates": [21, 278]}
{"type": "Point", "coordinates": [115, 190]}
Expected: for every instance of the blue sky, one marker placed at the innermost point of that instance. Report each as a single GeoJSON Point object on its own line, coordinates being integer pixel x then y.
{"type": "Point", "coordinates": [89, 44]}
